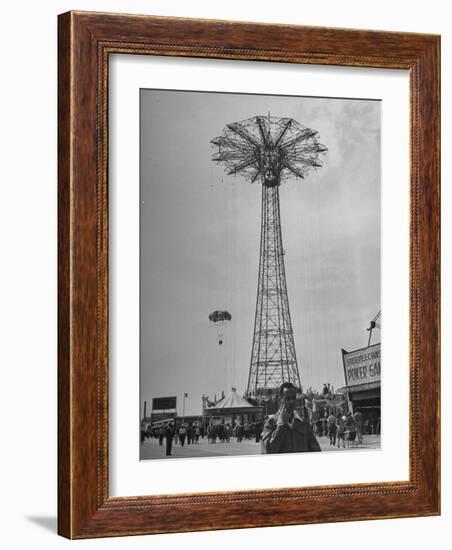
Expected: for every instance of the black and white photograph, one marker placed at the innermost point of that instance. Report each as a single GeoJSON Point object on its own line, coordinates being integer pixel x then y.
{"type": "Point", "coordinates": [260, 310]}
{"type": "Point", "coordinates": [219, 219]}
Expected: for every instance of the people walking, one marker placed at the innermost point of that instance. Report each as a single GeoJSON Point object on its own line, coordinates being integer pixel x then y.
{"type": "Point", "coordinates": [161, 435]}
{"type": "Point", "coordinates": [169, 433]}
{"type": "Point", "coordinates": [340, 430]}
{"type": "Point", "coordinates": [350, 429]}
{"type": "Point", "coordinates": [182, 434]}
{"type": "Point", "coordinates": [211, 434]}
{"type": "Point", "coordinates": [358, 417]}
{"type": "Point", "coordinates": [239, 432]}
{"type": "Point", "coordinates": [325, 425]}
{"type": "Point", "coordinates": [258, 431]}
{"type": "Point", "coordinates": [332, 428]}
{"type": "Point", "coordinates": [220, 432]}
{"type": "Point", "coordinates": [227, 433]}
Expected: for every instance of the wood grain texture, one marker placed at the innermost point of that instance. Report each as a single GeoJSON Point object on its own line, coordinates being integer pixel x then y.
{"type": "Point", "coordinates": [64, 295]}
{"type": "Point", "coordinates": [85, 42]}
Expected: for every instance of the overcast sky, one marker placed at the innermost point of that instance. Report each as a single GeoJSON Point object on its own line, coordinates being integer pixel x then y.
{"type": "Point", "coordinates": [200, 232]}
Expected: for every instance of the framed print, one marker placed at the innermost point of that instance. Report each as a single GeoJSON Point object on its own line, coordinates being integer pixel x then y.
{"type": "Point", "coordinates": [248, 275]}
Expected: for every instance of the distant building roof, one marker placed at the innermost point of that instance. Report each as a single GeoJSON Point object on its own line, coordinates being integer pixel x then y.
{"type": "Point", "coordinates": [232, 401]}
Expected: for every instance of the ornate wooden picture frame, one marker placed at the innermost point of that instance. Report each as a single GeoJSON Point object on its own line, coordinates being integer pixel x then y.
{"type": "Point", "coordinates": [85, 43]}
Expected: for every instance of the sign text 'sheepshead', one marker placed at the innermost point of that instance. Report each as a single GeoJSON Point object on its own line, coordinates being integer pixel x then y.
{"type": "Point", "coordinates": [362, 366]}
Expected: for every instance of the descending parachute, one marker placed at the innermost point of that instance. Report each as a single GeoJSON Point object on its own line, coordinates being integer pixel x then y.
{"type": "Point", "coordinates": [219, 317]}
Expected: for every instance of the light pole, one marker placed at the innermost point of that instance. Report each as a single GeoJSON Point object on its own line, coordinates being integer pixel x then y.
{"type": "Point", "coordinates": [183, 407]}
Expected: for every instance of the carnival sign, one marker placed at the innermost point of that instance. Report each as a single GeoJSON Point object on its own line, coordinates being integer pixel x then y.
{"type": "Point", "coordinates": [362, 366]}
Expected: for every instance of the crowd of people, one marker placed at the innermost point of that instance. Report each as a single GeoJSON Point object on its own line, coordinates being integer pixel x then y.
{"type": "Point", "coordinates": [344, 429]}
{"type": "Point", "coordinates": [184, 434]}
{"type": "Point", "coordinates": [191, 433]}
{"type": "Point", "coordinates": [241, 431]}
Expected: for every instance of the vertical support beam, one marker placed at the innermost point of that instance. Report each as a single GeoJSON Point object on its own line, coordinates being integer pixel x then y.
{"type": "Point", "coordinates": [273, 358]}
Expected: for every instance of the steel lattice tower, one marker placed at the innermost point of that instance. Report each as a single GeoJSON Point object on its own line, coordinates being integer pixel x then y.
{"type": "Point", "coordinates": [268, 150]}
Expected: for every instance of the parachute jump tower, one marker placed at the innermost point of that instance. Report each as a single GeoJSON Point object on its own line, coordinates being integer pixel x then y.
{"type": "Point", "coordinates": [269, 150]}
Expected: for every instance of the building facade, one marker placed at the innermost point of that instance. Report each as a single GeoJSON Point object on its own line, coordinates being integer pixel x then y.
{"type": "Point", "coordinates": [362, 371]}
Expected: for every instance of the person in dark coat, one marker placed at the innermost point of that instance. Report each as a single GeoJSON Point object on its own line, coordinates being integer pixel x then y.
{"type": "Point", "coordinates": [239, 432]}
{"type": "Point", "coordinates": [332, 429]}
{"type": "Point", "coordinates": [258, 431]}
{"type": "Point", "coordinates": [286, 431]}
{"type": "Point", "coordinates": [182, 434]}
{"type": "Point", "coordinates": [189, 434]}
{"type": "Point", "coordinates": [169, 433]}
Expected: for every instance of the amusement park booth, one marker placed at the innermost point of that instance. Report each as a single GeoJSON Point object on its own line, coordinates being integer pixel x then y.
{"type": "Point", "coordinates": [232, 409]}
{"type": "Point", "coordinates": [362, 371]}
